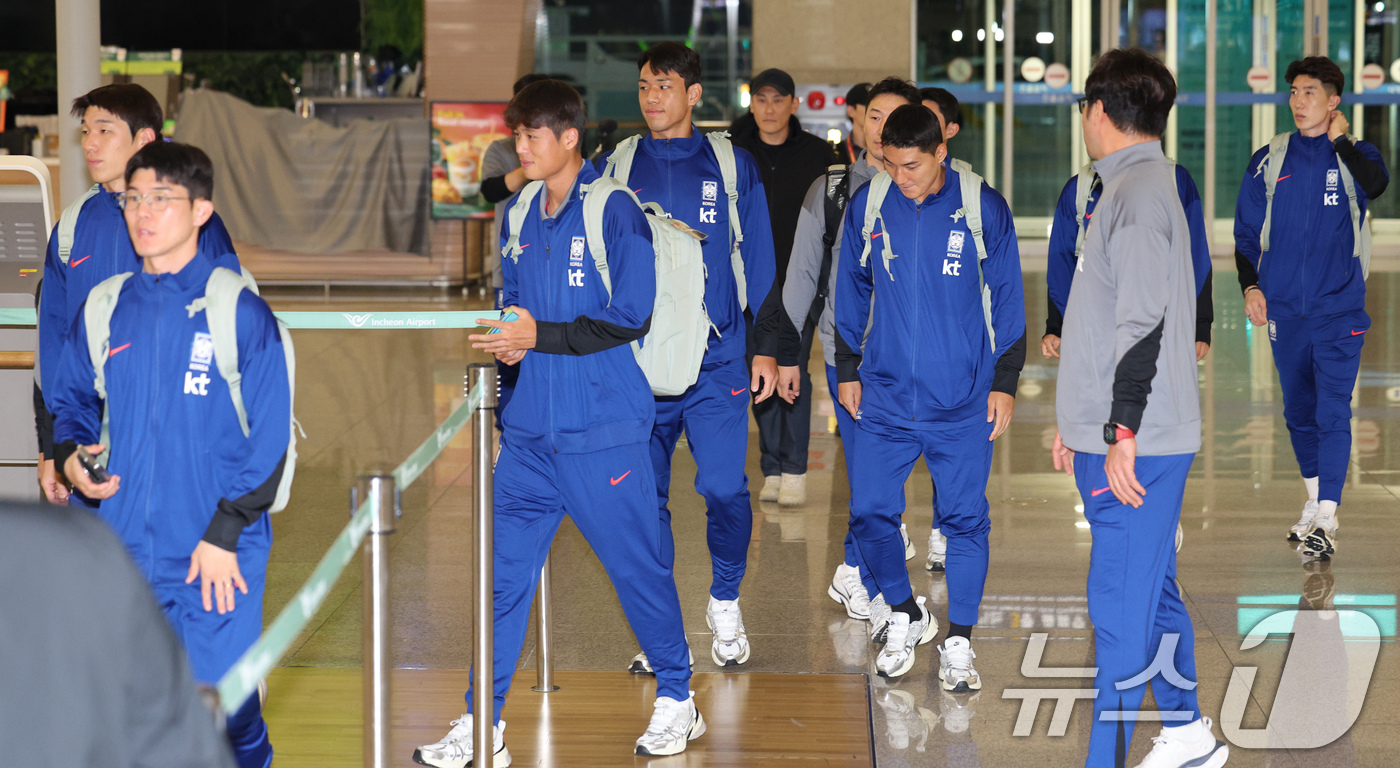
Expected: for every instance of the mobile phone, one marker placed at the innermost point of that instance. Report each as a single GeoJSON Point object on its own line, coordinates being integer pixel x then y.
{"type": "Point", "coordinates": [94, 470]}
{"type": "Point", "coordinates": [506, 318]}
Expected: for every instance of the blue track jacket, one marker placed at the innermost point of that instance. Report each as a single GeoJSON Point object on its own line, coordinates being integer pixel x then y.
{"type": "Point", "coordinates": [1059, 273]}
{"type": "Point", "coordinates": [580, 389]}
{"type": "Point", "coordinates": [187, 472]}
{"type": "Point", "coordinates": [1309, 269]}
{"type": "Point", "coordinates": [928, 357]}
{"type": "Point", "coordinates": [101, 248]}
{"type": "Point", "coordinates": [682, 175]}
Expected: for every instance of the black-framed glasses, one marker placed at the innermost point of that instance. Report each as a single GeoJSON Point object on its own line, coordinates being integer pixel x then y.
{"type": "Point", "coordinates": [159, 201]}
{"type": "Point", "coordinates": [1082, 101]}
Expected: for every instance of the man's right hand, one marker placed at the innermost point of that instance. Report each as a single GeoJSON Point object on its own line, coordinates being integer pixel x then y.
{"type": "Point", "coordinates": [789, 382]}
{"type": "Point", "coordinates": [1049, 346]}
{"type": "Point", "coordinates": [848, 393]}
{"type": "Point", "coordinates": [1255, 307]}
{"type": "Point", "coordinates": [54, 489]}
{"type": "Point", "coordinates": [78, 477]}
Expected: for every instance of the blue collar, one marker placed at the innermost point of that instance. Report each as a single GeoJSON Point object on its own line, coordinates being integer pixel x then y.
{"type": "Point", "coordinates": [189, 280]}
{"type": "Point", "coordinates": [683, 147]}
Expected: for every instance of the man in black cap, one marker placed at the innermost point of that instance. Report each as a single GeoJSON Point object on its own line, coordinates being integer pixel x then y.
{"type": "Point", "coordinates": [789, 159]}
{"type": "Point", "coordinates": [857, 101]}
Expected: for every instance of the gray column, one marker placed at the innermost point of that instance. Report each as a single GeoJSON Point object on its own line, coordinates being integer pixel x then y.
{"type": "Point", "coordinates": [79, 71]}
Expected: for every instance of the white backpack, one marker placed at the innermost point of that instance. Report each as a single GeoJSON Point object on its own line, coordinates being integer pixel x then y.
{"type": "Point", "coordinates": [970, 184]}
{"type": "Point", "coordinates": [671, 352]}
{"type": "Point", "coordinates": [1272, 165]}
{"type": "Point", "coordinates": [220, 305]}
{"type": "Point", "coordinates": [1084, 182]}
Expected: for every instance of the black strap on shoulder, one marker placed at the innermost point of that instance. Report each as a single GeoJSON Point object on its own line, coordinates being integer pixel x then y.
{"type": "Point", "coordinates": [835, 199]}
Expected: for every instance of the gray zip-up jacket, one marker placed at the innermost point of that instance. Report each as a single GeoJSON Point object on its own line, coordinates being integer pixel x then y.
{"type": "Point", "coordinates": [1128, 352]}
{"type": "Point", "coordinates": [805, 265]}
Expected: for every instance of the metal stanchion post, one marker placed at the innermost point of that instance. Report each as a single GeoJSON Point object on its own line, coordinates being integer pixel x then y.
{"type": "Point", "coordinates": [484, 679]}
{"type": "Point", "coordinates": [384, 507]}
{"type": "Point", "coordinates": [544, 644]}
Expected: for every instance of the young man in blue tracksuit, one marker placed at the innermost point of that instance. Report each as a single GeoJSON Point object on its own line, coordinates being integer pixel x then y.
{"type": "Point", "coordinates": [927, 362]}
{"type": "Point", "coordinates": [1129, 418]}
{"type": "Point", "coordinates": [1064, 240]}
{"type": "Point", "coordinates": [188, 490]}
{"type": "Point", "coordinates": [675, 166]}
{"type": "Point", "coordinates": [575, 438]}
{"type": "Point", "coordinates": [117, 121]}
{"type": "Point", "coordinates": [1306, 283]}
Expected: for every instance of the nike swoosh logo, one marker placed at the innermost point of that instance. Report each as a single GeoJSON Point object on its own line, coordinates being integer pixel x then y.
{"type": "Point", "coordinates": [877, 234]}
{"type": "Point", "coordinates": [1281, 178]}
{"type": "Point", "coordinates": [1099, 491]}
{"type": "Point", "coordinates": [80, 261]}
{"type": "Point", "coordinates": [637, 190]}
{"type": "Point", "coordinates": [523, 247]}
{"type": "Point", "coordinates": [118, 349]}
{"type": "Point", "coordinates": [737, 391]}
{"type": "Point", "coordinates": [617, 480]}
{"type": "Point", "coordinates": [1358, 333]}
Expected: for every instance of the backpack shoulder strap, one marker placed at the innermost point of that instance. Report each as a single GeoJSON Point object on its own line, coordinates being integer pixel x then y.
{"type": "Point", "coordinates": [1084, 186]}
{"type": "Point", "coordinates": [970, 185]}
{"type": "Point", "coordinates": [729, 173]}
{"type": "Point", "coordinates": [515, 219]}
{"type": "Point", "coordinates": [619, 164]}
{"type": "Point", "coordinates": [595, 200]}
{"type": "Point", "coordinates": [68, 223]}
{"type": "Point", "coordinates": [875, 199]}
{"type": "Point", "coordinates": [834, 202]}
{"type": "Point", "coordinates": [1271, 166]}
{"type": "Point", "coordinates": [1360, 228]}
{"type": "Point", "coordinates": [220, 305]}
{"type": "Point", "coordinates": [97, 321]}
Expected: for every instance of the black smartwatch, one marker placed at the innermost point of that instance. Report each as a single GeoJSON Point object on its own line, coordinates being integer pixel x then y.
{"type": "Point", "coordinates": [1112, 433]}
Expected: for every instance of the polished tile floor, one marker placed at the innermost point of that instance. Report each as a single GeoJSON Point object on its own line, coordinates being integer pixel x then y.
{"type": "Point", "coordinates": [368, 397]}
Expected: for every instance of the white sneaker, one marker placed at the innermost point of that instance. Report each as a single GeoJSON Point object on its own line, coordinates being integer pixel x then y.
{"type": "Point", "coordinates": [771, 487]}
{"type": "Point", "coordinates": [1322, 541]}
{"type": "Point", "coordinates": [792, 490]}
{"type": "Point", "coordinates": [1187, 745]}
{"type": "Point", "coordinates": [904, 635]}
{"type": "Point", "coordinates": [847, 589]}
{"type": "Point", "coordinates": [1304, 524]}
{"type": "Point", "coordinates": [640, 665]}
{"type": "Point", "coordinates": [955, 670]}
{"type": "Point", "coordinates": [879, 618]}
{"type": "Point", "coordinates": [673, 723]}
{"type": "Point", "coordinates": [908, 545]}
{"type": "Point", "coordinates": [937, 551]}
{"type": "Point", "coordinates": [455, 749]}
{"type": "Point", "coordinates": [731, 643]}
{"type": "Point", "coordinates": [1180, 536]}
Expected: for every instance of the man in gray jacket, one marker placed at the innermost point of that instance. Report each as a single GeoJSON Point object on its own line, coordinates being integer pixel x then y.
{"type": "Point", "coordinates": [1129, 416]}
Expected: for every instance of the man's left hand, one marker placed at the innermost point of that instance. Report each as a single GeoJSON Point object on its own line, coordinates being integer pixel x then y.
{"type": "Point", "coordinates": [1202, 349]}
{"type": "Point", "coordinates": [515, 335]}
{"type": "Point", "coordinates": [1122, 477]}
{"type": "Point", "coordinates": [765, 377]}
{"type": "Point", "coordinates": [1000, 406]}
{"type": "Point", "coordinates": [216, 567]}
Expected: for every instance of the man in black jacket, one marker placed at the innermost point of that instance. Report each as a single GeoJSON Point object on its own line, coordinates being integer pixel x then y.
{"type": "Point", "coordinates": [789, 160]}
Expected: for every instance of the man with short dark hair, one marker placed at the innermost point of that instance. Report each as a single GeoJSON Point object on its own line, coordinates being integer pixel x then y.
{"type": "Point", "coordinates": [930, 340]}
{"type": "Point", "coordinates": [945, 105]}
{"type": "Point", "coordinates": [1302, 246]}
{"type": "Point", "coordinates": [575, 440]}
{"type": "Point", "coordinates": [90, 242]}
{"type": "Point", "coordinates": [788, 160]}
{"type": "Point", "coordinates": [1129, 417]}
{"type": "Point", "coordinates": [680, 169]}
{"type": "Point", "coordinates": [191, 476]}
{"type": "Point", "coordinates": [857, 100]}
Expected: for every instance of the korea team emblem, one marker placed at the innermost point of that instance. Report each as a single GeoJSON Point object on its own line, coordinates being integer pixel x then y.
{"type": "Point", "coordinates": [709, 191]}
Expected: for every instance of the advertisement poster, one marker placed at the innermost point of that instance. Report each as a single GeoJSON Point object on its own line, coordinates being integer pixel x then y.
{"type": "Point", "coordinates": [462, 130]}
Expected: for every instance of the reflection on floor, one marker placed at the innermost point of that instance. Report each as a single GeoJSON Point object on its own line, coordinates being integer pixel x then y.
{"type": "Point", "coordinates": [368, 397]}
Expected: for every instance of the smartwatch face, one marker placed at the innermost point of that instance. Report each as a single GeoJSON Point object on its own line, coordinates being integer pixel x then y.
{"type": "Point", "coordinates": [1110, 434]}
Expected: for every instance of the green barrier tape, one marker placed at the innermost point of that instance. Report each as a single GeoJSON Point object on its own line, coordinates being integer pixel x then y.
{"type": "Point", "coordinates": [333, 320]}
{"type": "Point", "coordinates": [242, 679]}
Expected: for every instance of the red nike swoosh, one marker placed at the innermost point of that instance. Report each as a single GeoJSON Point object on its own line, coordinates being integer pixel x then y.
{"type": "Point", "coordinates": [1281, 178]}
{"type": "Point", "coordinates": [737, 391]}
{"type": "Point", "coordinates": [877, 234]}
{"type": "Point", "coordinates": [1099, 491]}
{"type": "Point", "coordinates": [523, 247]}
{"type": "Point", "coordinates": [79, 261]}
{"type": "Point", "coordinates": [1089, 215]}
{"type": "Point", "coordinates": [617, 480]}
{"type": "Point", "coordinates": [1358, 333]}
{"type": "Point", "coordinates": [637, 190]}
{"type": "Point", "coordinates": [118, 349]}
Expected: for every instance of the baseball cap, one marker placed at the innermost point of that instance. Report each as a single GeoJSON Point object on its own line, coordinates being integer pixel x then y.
{"type": "Point", "coordinates": [778, 79]}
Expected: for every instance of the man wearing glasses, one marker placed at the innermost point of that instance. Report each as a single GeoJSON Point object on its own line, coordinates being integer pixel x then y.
{"type": "Point", "coordinates": [90, 242]}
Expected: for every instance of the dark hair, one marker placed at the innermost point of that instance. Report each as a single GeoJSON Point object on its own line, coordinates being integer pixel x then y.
{"type": "Point", "coordinates": [946, 101]}
{"type": "Point", "coordinates": [131, 103]}
{"type": "Point", "coordinates": [548, 103]}
{"type": "Point", "coordinates": [183, 164]}
{"type": "Point", "coordinates": [859, 95]}
{"type": "Point", "coordinates": [896, 85]}
{"type": "Point", "coordinates": [1320, 67]}
{"type": "Point", "coordinates": [912, 126]}
{"type": "Point", "coordinates": [674, 58]}
{"type": "Point", "coordinates": [530, 79]}
{"type": "Point", "coordinates": [1136, 88]}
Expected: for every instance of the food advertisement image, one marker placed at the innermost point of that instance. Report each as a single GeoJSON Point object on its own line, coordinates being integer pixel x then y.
{"type": "Point", "coordinates": [461, 132]}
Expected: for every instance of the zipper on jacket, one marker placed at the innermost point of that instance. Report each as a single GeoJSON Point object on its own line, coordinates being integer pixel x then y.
{"type": "Point", "coordinates": [156, 399]}
{"type": "Point", "coordinates": [918, 315]}
{"type": "Point", "coordinates": [548, 232]}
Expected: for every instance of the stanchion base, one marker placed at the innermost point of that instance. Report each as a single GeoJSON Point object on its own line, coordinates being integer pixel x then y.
{"type": "Point", "coordinates": [538, 689]}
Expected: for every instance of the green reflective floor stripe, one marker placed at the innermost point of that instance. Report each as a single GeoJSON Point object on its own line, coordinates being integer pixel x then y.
{"type": "Point", "coordinates": [333, 320]}
{"type": "Point", "coordinates": [242, 679]}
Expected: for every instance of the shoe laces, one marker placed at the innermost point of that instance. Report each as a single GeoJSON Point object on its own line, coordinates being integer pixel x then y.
{"type": "Point", "coordinates": [665, 720]}
{"type": "Point", "coordinates": [855, 587]}
{"type": "Point", "coordinates": [727, 621]}
{"type": "Point", "coordinates": [461, 730]}
{"type": "Point", "coordinates": [958, 655]}
{"type": "Point", "coordinates": [897, 634]}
